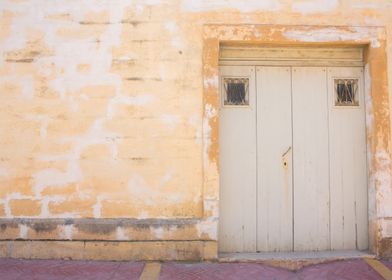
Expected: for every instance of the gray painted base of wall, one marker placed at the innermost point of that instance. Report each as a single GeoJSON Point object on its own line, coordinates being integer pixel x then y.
{"type": "Point", "coordinates": [114, 251]}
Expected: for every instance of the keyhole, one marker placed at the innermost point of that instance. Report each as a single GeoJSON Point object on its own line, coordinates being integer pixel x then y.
{"type": "Point", "coordinates": [285, 163]}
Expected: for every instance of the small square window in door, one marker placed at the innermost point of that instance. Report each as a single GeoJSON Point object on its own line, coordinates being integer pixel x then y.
{"type": "Point", "coordinates": [236, 91]}
{"type": "Point", "coordinates": [346, 92]}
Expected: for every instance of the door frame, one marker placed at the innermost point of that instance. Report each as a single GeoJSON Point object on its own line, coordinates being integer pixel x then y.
{"type": "Point", "coordinates": [378, 129]}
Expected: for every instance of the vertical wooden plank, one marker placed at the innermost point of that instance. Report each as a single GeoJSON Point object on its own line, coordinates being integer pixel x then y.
{"type": "Point", "coordinates": [274, 141]}
{"type": "Point", "coordinates": [237, 140]}
{"type": "Point", "coordinates": [348, 179]}
{"type": "Point", "coordinates": [361, 193]}
{"type": "Point", "coordinates": [311, 163]}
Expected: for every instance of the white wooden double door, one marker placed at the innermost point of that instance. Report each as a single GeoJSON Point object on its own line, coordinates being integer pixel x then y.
{"type": "Point", "coordinates": [292, 164]}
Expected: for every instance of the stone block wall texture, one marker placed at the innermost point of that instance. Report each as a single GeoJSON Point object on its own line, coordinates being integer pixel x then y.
{"type": "Point", "coordinates": [101, 106]}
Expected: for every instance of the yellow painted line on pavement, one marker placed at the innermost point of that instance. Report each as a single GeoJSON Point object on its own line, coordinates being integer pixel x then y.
{"type": "Point", "coordinates": [151, 271]}
{"type": "Point", "coordinates": [378, 266]}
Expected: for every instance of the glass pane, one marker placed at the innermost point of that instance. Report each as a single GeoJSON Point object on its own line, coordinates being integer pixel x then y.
{"type": "Point", "coordinates": [236, 91]}
{"type": "Point", "coordinates": [346, 92]}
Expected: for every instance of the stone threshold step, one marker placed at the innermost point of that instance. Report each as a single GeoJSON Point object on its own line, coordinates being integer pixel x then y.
{"type": "Point", "coordinates": [294, 260]}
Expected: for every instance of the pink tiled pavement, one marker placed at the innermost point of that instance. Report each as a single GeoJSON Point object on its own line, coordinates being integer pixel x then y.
{"type": "Point", "coordinates": [388, 263]}
{"type": "Point", "coordinates": [171, 271]}
{"type": "Point", "coordinates": [57, 269]}
{"type": "Point", "coordinates": [12, 269]}
{"type": "Point", "coordinates": [347, 270]}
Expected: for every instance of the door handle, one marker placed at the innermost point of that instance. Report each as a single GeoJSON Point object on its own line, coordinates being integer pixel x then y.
{"type": "Point", "coordinates": [285, 153]}
{"type": "Point", "coordinates": [284, 159]}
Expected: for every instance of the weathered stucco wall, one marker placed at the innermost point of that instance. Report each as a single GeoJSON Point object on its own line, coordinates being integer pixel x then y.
{"type": "Point", "coordinates": [102, 112]}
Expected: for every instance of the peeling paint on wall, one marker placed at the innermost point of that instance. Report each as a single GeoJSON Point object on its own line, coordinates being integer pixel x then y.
{"type": "Point", "coordinates": [170, 120]}
{"type": "Point", "coordinates": [66, 232]}
{"type": "Point", "coordinates": [210, 112]}
{"type": "Point", "coordinates": [97, 208]}
{"type": "Point", "coordinates": [3, 172]}
{"type": "Point", "coordinates": [384, 189]}
{"type": "Point", "coordinates": [306, 6]}
{"type": "Point", "coordinates": [120, 234]}
{"type": "Point", "coordinates": [330, 34]}
{"type": "Point", "coordinates": [23, 229]}
{"type": "Point", "coordinates": [205, 5]}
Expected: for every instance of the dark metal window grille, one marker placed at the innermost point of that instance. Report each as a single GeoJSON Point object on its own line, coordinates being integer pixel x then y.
{"type": "Point", "coordinates": [236, 91]}
{"type": "Point", "coordinates": [346, 92]}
